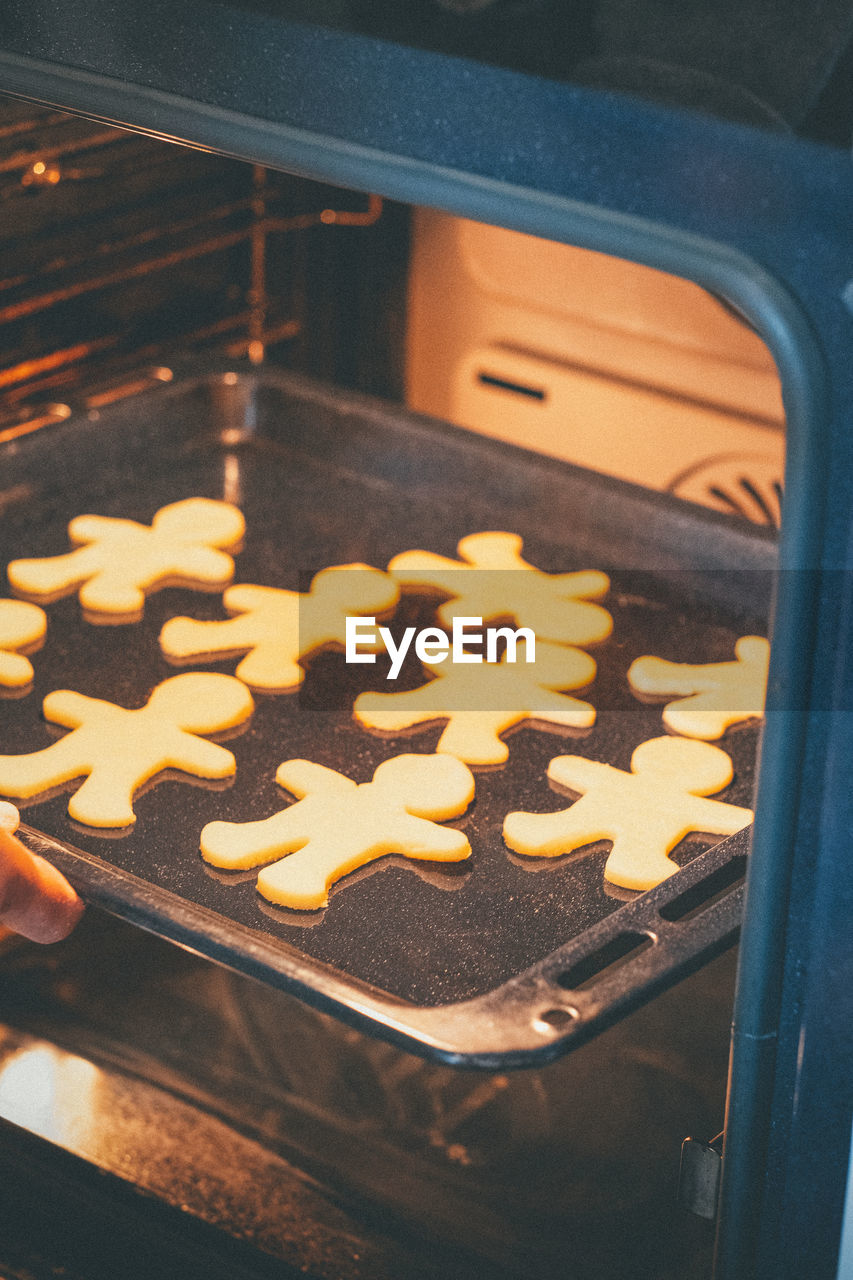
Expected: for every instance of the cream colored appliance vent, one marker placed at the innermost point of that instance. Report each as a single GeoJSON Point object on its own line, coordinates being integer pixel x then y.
{"type": "Point", "coordinates": [608, 364]}
{"type": "Point", "coordinates": [747, 484]}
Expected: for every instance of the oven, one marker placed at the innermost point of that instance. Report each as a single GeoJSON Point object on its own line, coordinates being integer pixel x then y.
{"type": "Point", "coordinates": [614, 254]}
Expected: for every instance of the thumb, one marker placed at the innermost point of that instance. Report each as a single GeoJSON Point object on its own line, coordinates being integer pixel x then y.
{"type": "Point", "coordinates": [35, 899]}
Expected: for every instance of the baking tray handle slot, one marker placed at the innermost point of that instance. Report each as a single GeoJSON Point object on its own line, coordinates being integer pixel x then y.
{"type": "Point", "coordinates": [702, 895]}
{"type": "Point", "coordinates": [602, 962]}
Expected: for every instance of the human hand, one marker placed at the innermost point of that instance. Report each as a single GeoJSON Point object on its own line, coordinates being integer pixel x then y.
{"type": "Point", "coordinates": [35, 899]}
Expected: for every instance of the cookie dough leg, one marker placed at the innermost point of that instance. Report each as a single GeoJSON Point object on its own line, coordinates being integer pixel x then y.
{"type": "Point", "coordinates": [303, 880]}
{"type": "Point", "coordinates": [473, 736]}
{"type": "Point", "coordinates": [16, 671]}
{"type": "Point", "coordinates": [53, 575]}
{"type": "Point", "coordinates": [106, 798]}
{"type": "Point", "coordinates": [694, 718]}
{"type": "Point", "coordinates": [394, 711]}
{"type": "Point", "coordinates": [637, 861]}
{"type": "Point", "coordinates": [546, 835]}
{"type": "Point", "coordinates": [271, 667]}
{"type": "Point", "coordinates": [239, 845]}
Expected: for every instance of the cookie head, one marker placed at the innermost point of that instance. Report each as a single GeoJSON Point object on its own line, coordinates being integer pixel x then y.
{"type": "Point", "coordinates": [206, 520]}
{"type": "Point", "coordinates": [435, 787]}
{"type": "Point", "coordinates": [357, 588]}
{"type": "Point", "coordinates": [691, 765]}
{"type": "Point", "coordinates": [203, 701]}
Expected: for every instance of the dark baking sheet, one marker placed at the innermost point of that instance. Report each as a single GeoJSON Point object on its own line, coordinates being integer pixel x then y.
{"type": "Point", "coordinates": [492, 961]}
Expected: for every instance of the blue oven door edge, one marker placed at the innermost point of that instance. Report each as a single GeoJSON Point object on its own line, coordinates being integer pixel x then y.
{"type": "Point", "coordinates": [764, 220]}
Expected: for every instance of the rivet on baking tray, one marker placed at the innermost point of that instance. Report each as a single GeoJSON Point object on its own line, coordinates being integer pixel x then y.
{"type": "Point", "coordinates": [555, 1020]}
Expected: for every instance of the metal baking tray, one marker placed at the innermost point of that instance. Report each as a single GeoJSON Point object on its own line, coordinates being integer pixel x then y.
{"type": "Point", "coordinates": [496, 962]}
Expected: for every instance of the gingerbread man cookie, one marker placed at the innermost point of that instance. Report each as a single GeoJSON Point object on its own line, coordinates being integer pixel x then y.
{"type": "Point", "coordinates": [117, 561]}
{"type": "Point", "coordinates": [645, 812]}
{"type": "Point", "coordinates": [717, 695]}
{"type": "Point", "coordinates": [117, 750]}
{"type": "Point", "coordinates": [491, 580]}
{"type": "Point", "coordinates": [481, 702]}
{"type": "Point", "coordinates": [337, 825]}
{"type": "Point", "coordinates": [275, 628]}
{"type": "Point", "coordinates": [10, 818]}
{"type": "Point", "coordinates": [22, 626]}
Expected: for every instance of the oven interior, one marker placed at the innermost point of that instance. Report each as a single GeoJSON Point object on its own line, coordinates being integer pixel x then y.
{"type": "Point", "coordinates": [230, 1125]}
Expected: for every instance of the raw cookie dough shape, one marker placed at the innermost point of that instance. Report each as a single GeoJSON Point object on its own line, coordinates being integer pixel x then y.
{"type": "Point", "coordinates": [338, 825]}
{"type": "Point", "coordinates": [482, 701]}
{"type": "Point", "coordinates": [117, 750]}
{"type": "Point", "coordinates": [21, 625]}
{"type": "Point", "coordinates": [645, 812]}
{"type": "Point", "coordinates": [10, 818]}
{"type": "Point", "coordinates": [551, 604]}
{"type": "Point", "coordinates": [117, 561]}
{"type": "Point", "coordinates": [718, 694]}
{"type": "Point", "coordinates": [276, 627]}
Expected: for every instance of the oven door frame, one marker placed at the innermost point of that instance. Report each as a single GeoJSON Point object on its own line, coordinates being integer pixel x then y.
{"type": "Point", "coordinates": [762, 220]}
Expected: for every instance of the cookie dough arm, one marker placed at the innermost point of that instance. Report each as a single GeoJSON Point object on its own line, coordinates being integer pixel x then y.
{"type": "Point", "coordinates": [724, 819]}
{"type": "Point", "coordinates": [26, 775]}
{"type": "Point", "coordinates": [560, 708]}
{"type": "Point", "coordinates": [425, 569]}
{"type": "Point", "coordinates": [305, 777]}
{"type": "Point", "coordinates": [579, 774]}
{"type": "Point", "coordinates": [659, 677]}
{"type": "Point", "coordinates": [54, 575]}
{"type": "Point", "coordinates": [590, 584]}
{"type": "Point", "coordinates": [200, 757]}
{"type": "Point", "coordinates": [572, 621]}
{"type": "Point", "coordinates": [427, 841]}
{"type": "Point", "coordinates": [199, 564]}
{"type": "Point", "coordinates": [190, 638]}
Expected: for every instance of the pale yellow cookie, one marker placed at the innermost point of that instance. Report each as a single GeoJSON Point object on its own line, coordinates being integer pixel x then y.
{"type": "Point", "coordinates": [337, 825]}
{"type": "Point", "coordinates": [10, 818]}
{"type": "Point", "coordinates": [645, 812]}
{"type": "Point", "coordinates": [117, 561]}
{"type": "Point", "coordinates": [117, 750]}
{"type": "Point", "coordinates": [491, 580]}
{"type": "Point", "coordinates": [22, 625]}
{"type": "Point", "coordinates": [275, 628]}
{"type": "Point", "coordinates": [717, 695]}
{"type": "Point", "coordinates": [480, 702]}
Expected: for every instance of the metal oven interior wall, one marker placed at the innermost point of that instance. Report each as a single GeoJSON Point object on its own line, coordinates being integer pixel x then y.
{"type": "Point", "coordinates": [123, 252]}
